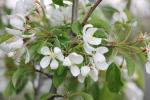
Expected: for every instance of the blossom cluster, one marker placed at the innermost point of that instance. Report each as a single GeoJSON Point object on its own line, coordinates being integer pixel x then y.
{"type": "Point", "coordinates": [73, 60]}
{"type": "Point", "coordinates": [57, 16]}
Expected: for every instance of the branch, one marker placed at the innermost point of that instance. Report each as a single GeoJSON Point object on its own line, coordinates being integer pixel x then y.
{"type": "Point", "coordinates": [90, 12]}
{"type": "Point", "coordinates": [56, 95]}
{"type": "Point", "coordinates": [74, 10]}
{"type": "Point", "coordinates": [49, 76]}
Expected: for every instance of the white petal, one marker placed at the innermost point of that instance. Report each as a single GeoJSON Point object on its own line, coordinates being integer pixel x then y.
{"type": "Point", "coordinates": [85, 70]}
{"type": "Point", "coordinates": [88, 49]}
{"type": "Point", "coordinates": [147, 67]}
{"type": "Point", "coordinates": [29, 4]}
{"type": "Point", "coordinates": [54, 64]}
{"type": "Point", "coordinates": [75, 71]}
{"type": "Point", "coordinates": [17, 22]}
{"type": "Point", "coordinates": [58, 53]}
{"type": "Point", "coordinates": [45, 50]}
{"type": "Point", "coordinates": [75, 58]}
{"type": "Point", "coordinates": [13, 32]}
{"type": "Point", "coordinates": [94, 74]}
{"type": "Point", "coordinates": [45, 61]}
{"type": "Point", "coordinates": [16, 44]}
{"type": "Point", "coordinates": [94, 41]}
{"type": "Point", "coordinates": [67, 62]}
{"type": "Point", "coordinates": [98, 58]}
{"type": "Point", "coordinates": [102, 66]}
{"type": "Point", "coordinates": [89, 33]}
{"type": "Point", "coordinates": [20, 7]}
{"type": "Point", "coordinates": [81, 78]}
{"type": "Point", "coordinates": [12, 44]}
{"type": "Point", "coordinates": [102, 50]}
{"type": "Point", "coordinates": [120, 16]}
{"type": "Point", "coordinates": [86, 27]}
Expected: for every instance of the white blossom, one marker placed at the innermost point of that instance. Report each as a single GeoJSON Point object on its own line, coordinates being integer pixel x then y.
{"type": "Point", "coordinates": [11, 45]}
{"type": "Point", "coordinates": [51, 57]}
{"type": "Point", "coordinates": [89, 40]}
{"type": "Point", "coordinates": [133, 92]}
{"type": "Point", "coordinates": [59, 15]}
{"type": "Point", "coordinates": [88, 70]}
{"type": "Point", "coordinates": [84, 72]}
{"type": "Point", "coordinates": [120, 16]}
{"type": "Point", "coordinates": [72, 60]}
{"type": "Point", "coordinates": [99, 58]}
{"type": "Point", "coordinates": [24, 7]}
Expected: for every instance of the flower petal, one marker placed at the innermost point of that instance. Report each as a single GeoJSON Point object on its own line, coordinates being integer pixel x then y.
{"type": "Point", "coordinates": [45, 61]}
{"type": "Point", "coordinates": [90, 32]}
{"type": "Point", "coordinates": [102, 50]}
{"type": "Point", "coordinates": [13, 32]}
{"type": "Point", "coordinates": [98, 58]}
{"type": "Point", "coordinates": [88, 49]}
{"type": "Point", "coordinates": [75, 58]}
{"type": "Point", "coordinates": [81, 78]}
{"type": "Point", "coordinates": [147, 67]}
{"type": "Point", "coordinates": [85, 70]}
{"type": "Point", "coordinates": [67, 62]}
{"type": "Point", "coordinates": [17, 22]}
{"type": "Point", "coordinates": [54, 64]}
{"type": "Point", "coordinates": [86, 27]}
{"type": "Point", "coordinates": [102, 66]}
{"type": "Point", "coordinates": [58, 53]}
{"type": "Point", "coordinates": [94, 74]}
{"type": "Point", "coordinates": [45, 50]}
{"type": "Point", "coordinates": [12, 44]}
{"type": "Point", "coordinates": [75, 71]}
{"type": "Point", "coordinates": [94, 41]}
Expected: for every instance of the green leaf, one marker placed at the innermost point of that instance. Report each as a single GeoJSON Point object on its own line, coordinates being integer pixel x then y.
{"type": "Point", "coordinates": [58, 2]}
{"type": "Point", "coordinates": [46, 96]}
{"type": "Point", "coordinates": [86, 96]}
{"type": "Point", "coordinates": [5, 37]}
{"type": "Point", "coordinates": [20, 79]}
{"type": "Point", "coordinates": [76, 28]}
{"type": "Point", "coordinates": [9, 89]}
{"type": "Point", "coordinates": [113, 78]}
{"type": "Point", "coordinates": [130, 65]}
{"type": "Point", "coordinates": [130, 62]}
{"type": "Point", "coordinates": [59, 76]}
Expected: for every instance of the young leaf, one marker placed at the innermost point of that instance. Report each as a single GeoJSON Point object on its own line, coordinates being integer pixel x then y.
{"type": "Point", "coordinates": [86, 96]}
{"type": "Point", "coordinates": [130, 62]}
{"type": "Point", "coordinates": [46, 96]}
{"type": "Point", "coordinates": [113, 78]}
{"type": "Point", "coordinates": [9, 89]}
{"type": "Point", "coordinates": [130, 65]}
{"type": "Point", "coordinates": [59, 76]}
{"type": "Point", "coordinates": [76, 28]}
{"type": "Point", "coordinates": [58, 2]}
{"type": "Point", "coordinates": [20, 79]}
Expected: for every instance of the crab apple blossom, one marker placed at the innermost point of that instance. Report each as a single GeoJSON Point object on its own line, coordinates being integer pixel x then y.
{"type": "Point", "coordinates": [120, 16]}
{"type": "Point", "coordinates": [51, 57]}
{"type": "Point", "coordinates": [99, 58]}
{"type": "Point", "coordinates": [89, 39]}
{"type": "Point", "coordinates": [72, 60]}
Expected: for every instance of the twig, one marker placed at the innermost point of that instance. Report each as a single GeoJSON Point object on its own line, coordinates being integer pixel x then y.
{"type": "Point", "coordinates": [57, 95]}
{"type": "Point", "coordinates": [74, 14]}
{"type": "Point", "coordinates": [90, 12]}
{"type": "Point", "coordinates": [74, 10]}
{"type": "Point", "coordinates": [49, 76]}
